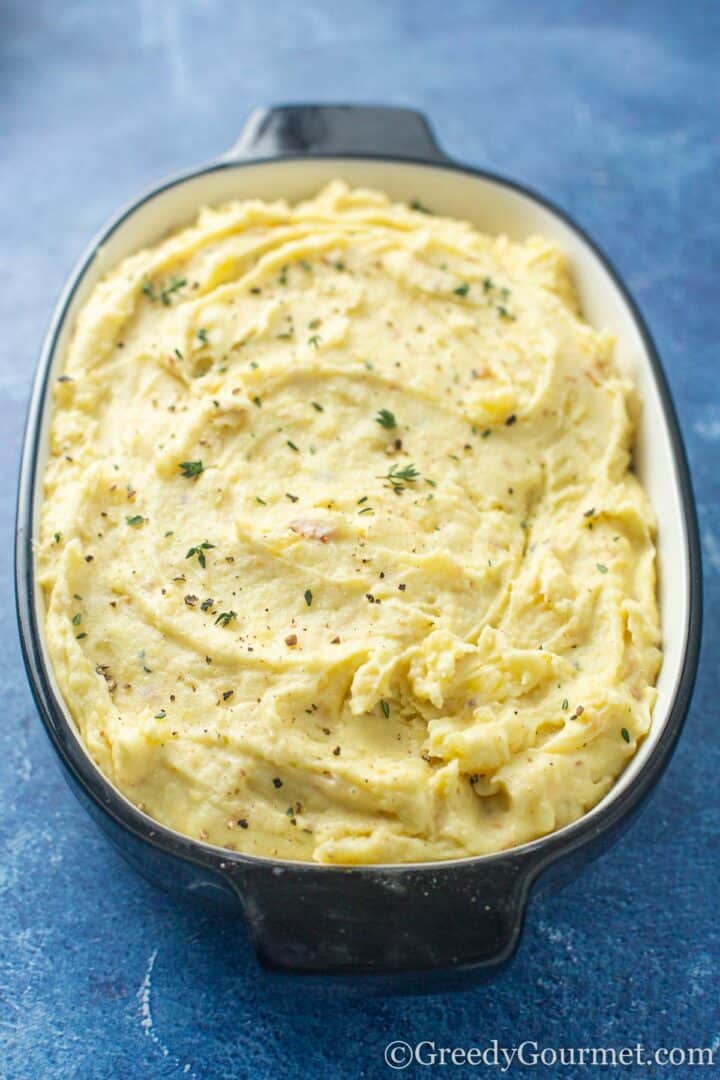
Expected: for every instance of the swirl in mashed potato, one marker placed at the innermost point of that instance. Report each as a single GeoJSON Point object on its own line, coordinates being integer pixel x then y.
{"type": "Point", "coordinates": [342, 553]}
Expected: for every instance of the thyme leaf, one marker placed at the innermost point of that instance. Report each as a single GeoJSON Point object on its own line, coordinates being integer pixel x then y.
{"type": "Point", "coordinates": [191, 469]}
{"type": "Point", "coordinates": [386, 419]}
{"type": "Point", "coordinates": [398, 477]}
{"type": "Point", "coordinates": [225, 617]}
{"type": "Point", "coordinates": [199, 550]}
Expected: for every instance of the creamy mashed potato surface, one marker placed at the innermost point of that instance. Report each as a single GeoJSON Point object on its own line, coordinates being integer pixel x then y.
{"type": "Point", "coordinates": [342, 555]}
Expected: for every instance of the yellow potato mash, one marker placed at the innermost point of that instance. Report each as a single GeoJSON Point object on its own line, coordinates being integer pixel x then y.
{"type": "Point", "coordinates": [342, 553]}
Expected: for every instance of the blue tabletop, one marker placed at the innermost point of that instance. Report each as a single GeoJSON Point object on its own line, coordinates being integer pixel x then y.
{"type": "Point", "coordinates": [612, 110]}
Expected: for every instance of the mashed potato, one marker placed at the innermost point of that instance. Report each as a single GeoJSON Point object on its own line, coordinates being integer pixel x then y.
{"type": "Point", "coordinates": [342, 555]}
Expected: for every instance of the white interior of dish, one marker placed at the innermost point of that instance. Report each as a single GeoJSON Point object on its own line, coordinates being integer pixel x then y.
{"type": "Point", "coordinates": [494, 208]}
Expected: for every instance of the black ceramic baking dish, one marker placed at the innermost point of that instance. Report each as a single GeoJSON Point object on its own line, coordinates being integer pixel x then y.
{"type": "Point", "coordinates": [464, 915]}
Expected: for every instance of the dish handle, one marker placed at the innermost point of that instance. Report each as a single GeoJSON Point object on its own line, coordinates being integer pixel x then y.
{"type": "Point", "coordinates": [384, 920]}
{"type": "Point", "coordinates": [375, 130]}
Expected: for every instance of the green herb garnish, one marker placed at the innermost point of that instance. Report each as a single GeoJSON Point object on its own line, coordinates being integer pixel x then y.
{"type": "Point", "coordinates": [77, 619]}
{"type": "Point", "coordinates": [625, 734]}
{"type": "Point", "coordinates": [200, 550]}
{"type": "Point", "coordinates": [175, 284]}
{"type": "Point", "coordinates": [386, 419]}
{"type": "Point", "coordinates": [308, 597]}
{"type": "Point", "coordinates": [384, 705]}
{"type": "Point", "coordinates": [462, 290]}
{"type": "Point", "coordinates": [314, 341]}
{"type": "Point", "coordinates": [136, 519]}
{"type": "Point", "coordinates": [166, 292]}
{"type": "Point", "coordinates": [602, 568]}
{"type": "Point", "coordinates": [191, 469]}
{"type": "Point", "coordinates": [203, 335]}
{"type": "Point", "coordinates": [399, 477]}
{"type": "Point", "coordinates": [225, 617]}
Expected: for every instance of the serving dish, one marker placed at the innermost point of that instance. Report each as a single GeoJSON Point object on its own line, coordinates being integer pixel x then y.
{"type": "Point", "coordinates": [459, 916]}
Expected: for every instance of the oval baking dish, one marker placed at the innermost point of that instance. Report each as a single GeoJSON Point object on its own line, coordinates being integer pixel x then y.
{"type": "Point", "coordinates": [460, 915]}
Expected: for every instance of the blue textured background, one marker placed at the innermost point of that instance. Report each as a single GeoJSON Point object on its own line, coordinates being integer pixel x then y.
{"type": "Point", "coordinates": [611, 109]}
